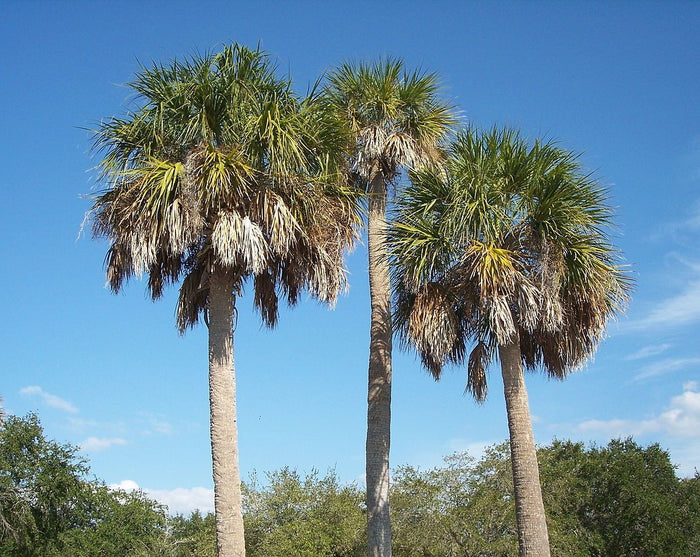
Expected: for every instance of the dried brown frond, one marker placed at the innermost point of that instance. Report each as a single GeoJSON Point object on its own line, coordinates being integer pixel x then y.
{"type": "Point", "coordinates": [549, 273]}
{"type": "Point", "coordinates": [500, 317]}
{"type": "Point", "coordinates": [266, 300]}
{"type": "Point", "coordinates": [237, 241]}
{"type": "Point", "coordinates": [372, 142]}
{"type": "Point", "coordinates": [226, 238]}
{"type": "Point", "coordinates": [118, 266]}
{"type": "Point", "coordinates": [528, 303]}
{"type": "Point", "coordinates": [389, 150]}
{"type": "Point", "coordinates": [433, 327]}
{"type": "Point", "coordinates": [183, 224]}
{"type": "Point", "coordinates": [165, 271]}
{"type": "Point", "coordinates": [479, 360]}
{"type": "Point", "coordinates": [291, 272]}
{"type": "Point", "coordinates": [192, 300]}
{"type": "Point", "coordinates": [281, 226]}
{"type": "Point", "coordinates": [401, 149]}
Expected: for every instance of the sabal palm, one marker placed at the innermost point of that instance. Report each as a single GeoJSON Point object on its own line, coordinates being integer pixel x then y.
{"type": "Point", "coordinates": [222, 174]}
{"type": "Point", "coordinates": [397, 121]}
{"type": "Point", "coordinates": [506, 247]}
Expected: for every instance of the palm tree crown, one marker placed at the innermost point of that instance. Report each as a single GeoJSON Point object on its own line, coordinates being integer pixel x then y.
{"type": "Point", "coordinates": [508, 241]}
{"type": "Point", "coordinates": [397, 117]}
{"type": "Point", "coordinates": [223, 165]}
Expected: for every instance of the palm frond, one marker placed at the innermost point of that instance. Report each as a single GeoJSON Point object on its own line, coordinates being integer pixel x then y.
{"type": "Point", "coordinates": [221, 178]}
{"type": "Point", "coordinates": [479, 360]}
{"type": "Point", "coordinates": [266, 300]}
{"type": "Point", "coordinates": [432, 327]}
{"type": "Point", "coordinates": [192, 300]}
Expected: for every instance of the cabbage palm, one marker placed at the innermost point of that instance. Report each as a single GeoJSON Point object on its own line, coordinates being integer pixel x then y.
{"type": "Point", "coordinates": [397, 121]}
{"type": "Point", "coordinates": [505, 247]}
{"type": "Point", "coordinates": [220, 175]}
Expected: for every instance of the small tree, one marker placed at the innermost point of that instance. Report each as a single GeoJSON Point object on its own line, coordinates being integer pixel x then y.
{"type": "Point", "coordinates": [618, 499]}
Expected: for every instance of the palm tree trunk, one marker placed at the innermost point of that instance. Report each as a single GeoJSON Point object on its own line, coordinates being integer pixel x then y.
{"type": "Point", "coordinates": [533, 539]}
{"type": "Point", "coordinates": [223, 422]}
{"type": "Point", "coordinates": [379, 383]}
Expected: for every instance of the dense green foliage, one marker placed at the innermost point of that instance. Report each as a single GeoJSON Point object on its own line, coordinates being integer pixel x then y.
{"type": "Point", "coordinates": [306, 517]}
{"type": "Point", "coordinates": [626, 499]}
{"type": "Point", "coordinates": [462, 508]}
{"type": "Point", "coordinates": [621, 499]}
{"type": "Point", "coordinates": [49, 506]}
{"type": "Point", "coordinates": [193, 536]}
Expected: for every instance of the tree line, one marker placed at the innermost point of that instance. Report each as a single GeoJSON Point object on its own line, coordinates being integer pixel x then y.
{"type": "Point", "coordinates": [619, 499]}
{"type": "Point", "coordinates": [483, 246]}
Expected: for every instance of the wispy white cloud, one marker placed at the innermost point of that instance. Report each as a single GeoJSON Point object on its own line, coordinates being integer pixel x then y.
{"type": "Point", "coordinates": [681, 230]}
{"type": "Point", "coordinates": [691, 223]}
{"type": "Point", "coordinates": [181, 500]}
{"type": "Point", "coordinates": [93, 444]}
{"type": "Point", "coordinates": [668, 365]}
{"type": "Point", "coordinates": [159, 426]}
{"type": "Point", "coordinates": [648, 352]}
{"type": "Point", "coordinates": [617, 427]}
{"type": "Point", "coordinates": [683, 306]}
{"type": "Point", "coordinates": [154, 424]}
{"type": "Point", "coordinates": [49, 399]}
{"type": "Point", "coordinates": [681, 419]}
{"type": "Point", "coordinates": [675, 311]}
{"type": "Point", "coordinates": [87, 426]}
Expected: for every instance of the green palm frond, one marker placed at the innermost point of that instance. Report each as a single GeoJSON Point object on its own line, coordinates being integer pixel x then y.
{"type": "Point", "coordinates": [423, 250]}
{"type": "Point", "coordinates": [222, 177]}
{"type": "Point", "coordinates": [158, 182]}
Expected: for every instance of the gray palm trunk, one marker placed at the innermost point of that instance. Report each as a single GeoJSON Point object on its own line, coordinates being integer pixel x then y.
{"type": "Point", "coordinates": [379, 384]}
{"type": "Point", "coordinates": [230, 540]}
{"type": "Point", "coordinates": [533, 539]}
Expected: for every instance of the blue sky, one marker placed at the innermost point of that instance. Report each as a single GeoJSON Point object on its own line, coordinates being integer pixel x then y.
{"type": "Point", "coordinates": [617, 81]}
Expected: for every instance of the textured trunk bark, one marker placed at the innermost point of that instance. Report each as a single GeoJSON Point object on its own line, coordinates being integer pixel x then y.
{"type": "Point", "coordinates": [379, 384]}
{"type": "Point", "coordinates": [533, 539]}
{"type": "Point", "coordinates": [230, 541]}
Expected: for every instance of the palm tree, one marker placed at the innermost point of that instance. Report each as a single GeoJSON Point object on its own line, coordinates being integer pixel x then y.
{"type": "Point", "coordinates": [506, 246]}
{"type": "Point", "coordinates": [220, 175]}
{"type": "Point", "coordinates": [397, 121]}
